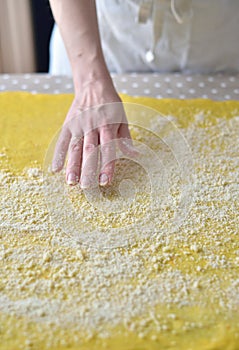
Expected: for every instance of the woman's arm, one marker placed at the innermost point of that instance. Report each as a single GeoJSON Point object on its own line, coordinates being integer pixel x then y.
{"type": "Point", "coordinates": [77, 21]}
{"type": "Point", "coordinates": [82, 133]}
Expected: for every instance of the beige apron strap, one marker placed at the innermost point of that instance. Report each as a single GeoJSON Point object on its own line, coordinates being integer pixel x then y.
{"type": "Point", "coordinates": [155, 10]}
{"type": "Point", "coordinates": [175, 13]}
{"type": "Point", "coordinates": [157, 16]}
{"type": "Point", "coordinates": [145, 11]}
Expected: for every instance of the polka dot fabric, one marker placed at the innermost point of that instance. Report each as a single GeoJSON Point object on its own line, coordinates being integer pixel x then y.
{"type": "Point", "coordinates": [182, 86]}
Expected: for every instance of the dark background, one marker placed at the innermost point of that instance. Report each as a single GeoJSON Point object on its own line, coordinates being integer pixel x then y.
{"type": "Point", "coordinates": [43, 21]}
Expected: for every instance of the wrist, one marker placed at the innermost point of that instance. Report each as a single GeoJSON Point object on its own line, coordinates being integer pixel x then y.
{"type": "Point", "coordinates": [86, 71]}
{"type": "Point", "coordinates": [92, 79]}
{"type": "Point", "coordinates": [95, 92]}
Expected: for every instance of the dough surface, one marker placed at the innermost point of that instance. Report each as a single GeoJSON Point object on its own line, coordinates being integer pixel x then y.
{"type": "Point", "coordinates": [175, 290]}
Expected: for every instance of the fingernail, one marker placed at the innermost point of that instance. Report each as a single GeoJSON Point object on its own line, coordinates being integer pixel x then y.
{"type": "Point", "coordinates": [104, 179]}
{"type": "Point", "coordinates": [85, 182]}
{"type": "Point", "coordinates": [71, 179]}
{"type": "Point", "coordinates": [54, 170]}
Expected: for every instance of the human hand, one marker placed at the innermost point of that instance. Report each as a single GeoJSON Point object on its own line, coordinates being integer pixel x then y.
{"type": "Point", "coordinates": [96, 121]}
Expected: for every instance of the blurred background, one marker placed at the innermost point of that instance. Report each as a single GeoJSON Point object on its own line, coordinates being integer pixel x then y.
{"type": "Point", "coordinates": [25, 30]}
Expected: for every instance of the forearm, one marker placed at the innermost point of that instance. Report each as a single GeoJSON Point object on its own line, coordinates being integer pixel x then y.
{"type": "Point", "coordinates": [77, 21]}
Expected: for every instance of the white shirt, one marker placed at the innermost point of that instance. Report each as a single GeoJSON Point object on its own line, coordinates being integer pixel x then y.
{"type": "Point", "coordinates": [163, 35]}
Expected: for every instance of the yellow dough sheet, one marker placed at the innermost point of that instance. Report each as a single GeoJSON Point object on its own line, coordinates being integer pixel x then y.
{"type": "Point", "coordinates": [169, 287]}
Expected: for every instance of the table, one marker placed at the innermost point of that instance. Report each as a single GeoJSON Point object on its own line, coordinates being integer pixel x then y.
{"type": "Point", "coordinates": [175, 85]}
{"type": "Point", "coordinates": [168, 290]}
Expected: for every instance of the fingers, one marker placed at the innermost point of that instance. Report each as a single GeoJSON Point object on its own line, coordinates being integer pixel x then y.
{"type": "Point", "coordinates": [108, 154]}
{"type": "Point", "coordinates": [125, 142]}
{"type": "Point", "coordinates": [83, 149]}
{"type": "Point", "coordinates": [89, 160]}
{"type": "Point", "coordinates": [61, 150]}
{"type": "Point", "coordinates": [73, 168]}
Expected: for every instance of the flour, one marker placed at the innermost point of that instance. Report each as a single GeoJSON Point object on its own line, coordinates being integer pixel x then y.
{"type": "Point", "coordinates": [34, 172]}
{"type": "Point", "coordinates": [54, 279]}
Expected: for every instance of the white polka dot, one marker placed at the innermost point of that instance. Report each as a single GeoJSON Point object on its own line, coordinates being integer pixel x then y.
{"type": "Point", "coordinates": [68, 86]}
{"type": "Point", "coordinates": [232, 79]}
{"type": "Point", "coordinates": [2, 87]}
{"type": "Point", "coordinates": [189, 78]}
{"type": "Point", "coordinates": [201, 84]}
{"type": "Point", "coordinates": [14, 81]}
{"type": "Point", "coordinates": [146, 91]}
{"type": "Point", "coordinates": [167, 79]}
{"type": "Point", "coordinates": [46, 86]}
{"type": "Point", "coordinates": [56, 91]}
{"type": "Point", "coordinates": [34, 92]}
{"type": "Point", "coordinates": [227, 97]}
{"type": "Point", "coordinates": [145, 79]}
{"type": "Point", "coordinates": [157, 85]}
{"type": "Point", "coordinates": [236, 91]}
{"type": "Point", "coordinates": [179, 84]}
{"type": "Point", "coordinates": [155, 74]}
{"type": "Point", "coordinates": [135, 85]}
{"type": "Point", "coordinates": [159, 96]}
{"type": "Point", "coordinates": [113, 75]}
{"type": "Point", "coordinates": [124, 91]}
{"type": "Point", "coordinates": [211, 79]}
{"type": "Point", "coordinates": [26, 76]}
{"type": "Point", "coordinates": [6, 76]}
{"type": "Point", "coordinates": [182, 96]}
{"type": "Point", "coordinates": [124, 79]}
{"type": "Point", "coordinates": [191, 91]}
{"type": "Point", "coordinates": [133, 74]}
{"type": "Point", "coordinates": [24, 86]}
{"type": "Point", "coordinates": [214, 91]}
{"type": "Point", "coordinates": [204, 96]}
{"type": "Point", "coordinates": [169, 91]}
{"type": "Point", "coordinates": [36, 81]}
{"type": "Point", "coordinates": [223, 85]}
{"type": "Point", "coordinates": [57, 80]}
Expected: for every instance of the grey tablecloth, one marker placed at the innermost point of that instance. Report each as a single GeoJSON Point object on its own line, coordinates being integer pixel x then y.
{"type": "Point", "coordinates": [217, 87]}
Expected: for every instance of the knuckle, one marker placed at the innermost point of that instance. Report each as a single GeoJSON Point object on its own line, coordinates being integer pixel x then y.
{"type": "Point", "coordinates": [109, 129]}
{"type": "Point", "coordinates": [89, 147]}
{"type": "Point", "coordinates": [76, 145]}
{"type": "Point", "coordinates": [76, 148]}
{"type": "Point", "coordinates": [73, 165]}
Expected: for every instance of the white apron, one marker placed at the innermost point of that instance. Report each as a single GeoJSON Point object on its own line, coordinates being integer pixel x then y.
{"type": "Point", "coordinates": [162, 36]}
